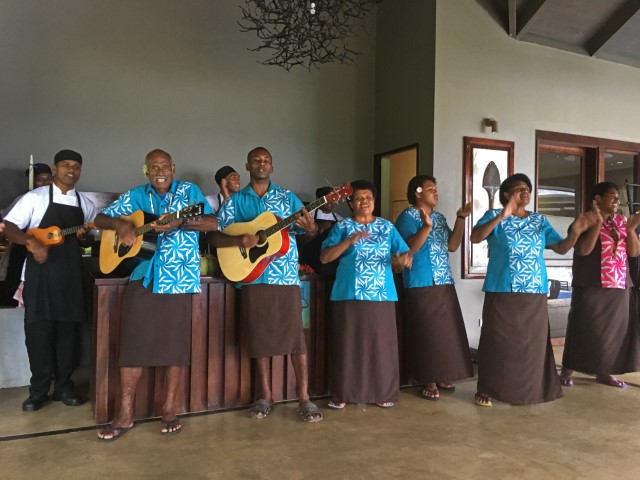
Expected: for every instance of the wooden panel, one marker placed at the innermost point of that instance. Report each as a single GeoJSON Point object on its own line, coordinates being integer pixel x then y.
{"type": "Point", "coordinates": [215, 360]}
{"type": "Point", "coordinates": [199, 351]}
{"type": "Point", "coordinates": [221, 372]}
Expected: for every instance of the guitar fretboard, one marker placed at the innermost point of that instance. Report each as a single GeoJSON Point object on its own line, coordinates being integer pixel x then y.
{"type": "Point", "coordinates": [284, 223]}
{"type": "Point", "coordinates": [147, 226]}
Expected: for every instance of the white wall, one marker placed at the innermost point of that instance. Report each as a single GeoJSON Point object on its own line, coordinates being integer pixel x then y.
{"type": "Point", "coordinates": [114, 79]}
{"type": "Point", "coordinates": [482, 72]}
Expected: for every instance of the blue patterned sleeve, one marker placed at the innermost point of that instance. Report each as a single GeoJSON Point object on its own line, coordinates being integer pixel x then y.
{"type": "Point", "coordinates": [487, 217]}
{"type": "Point", "coordinates": [226, 214]}
{"type": "Point", "coordinates": [336, 235]}
{"type": "Point", "coordinates": [550, 234]}
{"type": "Point", "coordinates": [398, 245]}
{"type": "Point", "coordinates": [406, 225]}
{"type": "Point", "coordinates": [124, 205]}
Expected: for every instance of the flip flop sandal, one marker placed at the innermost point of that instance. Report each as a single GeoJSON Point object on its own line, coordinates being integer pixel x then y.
{"type": "Point", "coordinates": [260, 409]}
{"type": "Point", "coordinates": [613, 382]}
{"type": "Point", "coordinates": [386, 404]}
{"type": "Point", "coordinates": [482, 400]}
{"type": "Point", "coordinates": [336, 405]}
{"type": "Point", "coordinates": [566, 381]}
{"type": "Point", "coordinates": [431, 394]}
{"type": "Point", "coordinates": [446, 387]}
{"type": "Point", "coordinates": [310, 413]}
{"type": "Point", "coordinates": [115, 432]}
{"type": "Point", "coordinates": [167, 427]}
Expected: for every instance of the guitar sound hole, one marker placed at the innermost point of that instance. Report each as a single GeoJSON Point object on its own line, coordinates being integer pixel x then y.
{"type": "Point", "coordinates": [262, 237]}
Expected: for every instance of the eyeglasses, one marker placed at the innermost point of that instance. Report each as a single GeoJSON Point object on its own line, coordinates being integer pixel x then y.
{"type": "Point", "coordinates": [521, 190]}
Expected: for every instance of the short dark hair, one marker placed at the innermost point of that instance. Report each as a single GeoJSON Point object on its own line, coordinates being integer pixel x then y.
{"type": "Point", "coordinates": [602, 188]}
{"type": "Point", "coordinates": [364, 185]}
{"type": "Point", "coordinates": [508, 184]}
{"type": "Point", "coordinates": [416, 182]}
{"type": "Point", "coordinates": [254, 150]}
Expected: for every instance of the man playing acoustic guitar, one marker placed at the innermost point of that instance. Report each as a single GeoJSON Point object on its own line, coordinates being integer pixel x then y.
{"type": "Point", "coordinates": [156, 307]}
{"type": "Point", "coordinates": [271, 303]}
{"type": "Point", "coordinates": [53, 289]}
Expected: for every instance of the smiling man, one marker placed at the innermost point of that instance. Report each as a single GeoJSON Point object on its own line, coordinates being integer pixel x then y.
{"type": "Point", "coordinates": [53, 288]}
{"type": "Point", "coordinates": [156, 308]}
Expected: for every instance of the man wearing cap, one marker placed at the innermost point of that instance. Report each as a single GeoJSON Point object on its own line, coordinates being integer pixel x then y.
{"type": "Point", "coordinates": [53, 288]}
{"type": "Point", "coordinates": [13, 259]}
{"type": "Point", "coordinates": [229, 182]}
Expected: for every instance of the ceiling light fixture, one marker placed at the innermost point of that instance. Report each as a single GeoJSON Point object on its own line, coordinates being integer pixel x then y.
{"type": "Point", "coordinates": [298, 32]}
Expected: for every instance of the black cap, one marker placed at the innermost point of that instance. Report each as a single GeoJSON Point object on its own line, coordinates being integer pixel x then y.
{"type": "Point", "coordinates": [67, 155]}
{"type": "Point", "coordinates": [322, 191]}
{"type": "Point", "coordinates": [224, 172]}
{"type": "Point", "coordinates": [39, 168]}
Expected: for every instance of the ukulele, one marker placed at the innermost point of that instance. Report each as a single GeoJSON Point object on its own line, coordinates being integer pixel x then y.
{"type": "Point", "coordinates": [55, 235]}
{"type": "Point", "coordinates": [112, 252]}
{"type": "Point", "coordinates": [240, 264]}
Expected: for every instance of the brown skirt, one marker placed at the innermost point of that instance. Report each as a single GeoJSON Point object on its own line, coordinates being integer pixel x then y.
{"type": "Point", "coordinates": [156, 328]}
{"type": "Point", "coordinates": [364, 352]}
{"type": "Point", "coordinates": [435, 340]}
{"type": "Point", "coordinates": [272, 320]}
{"type": "Point", "coordinates": [602, 334]}
{"type": "Point", "coordinates": [515, 359]}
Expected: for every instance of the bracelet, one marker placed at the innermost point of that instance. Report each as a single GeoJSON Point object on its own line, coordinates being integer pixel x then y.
{"type": "Point", "coordinates": [461, 217]}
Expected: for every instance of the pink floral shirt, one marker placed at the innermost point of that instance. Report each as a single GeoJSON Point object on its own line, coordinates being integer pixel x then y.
{"type": "Point", "coordinates": [613, 260]}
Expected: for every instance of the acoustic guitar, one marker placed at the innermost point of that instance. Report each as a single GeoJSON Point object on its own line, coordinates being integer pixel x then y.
{"type": "Point", "coordinates": [240, 264]}
{"type": "Point", "coordinates": [113, 253]}
{"type": "Point", "coordinates": [55, 235]}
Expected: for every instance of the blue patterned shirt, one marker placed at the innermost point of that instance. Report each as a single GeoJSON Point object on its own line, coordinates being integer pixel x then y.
{"type": "Point", "coordinates": [431, 262]}
{"type": "Point", "coordinates": [246, 205]}
{"type": "Point", "coordinates": [175, 266]}
{"type": "Point", "coordinates": [364, 270]}
{"type": "Point", "coordinates": [516, 249]}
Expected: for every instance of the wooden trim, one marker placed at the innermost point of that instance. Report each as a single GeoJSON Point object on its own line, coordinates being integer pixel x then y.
{"type": "Point", "coordinates": [469, 143]}
{"type": "Point", "coordinates": [377, 170]}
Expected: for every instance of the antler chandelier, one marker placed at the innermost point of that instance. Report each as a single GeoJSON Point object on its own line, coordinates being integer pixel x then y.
{"type": "Point", "coordinates": [306, 33]}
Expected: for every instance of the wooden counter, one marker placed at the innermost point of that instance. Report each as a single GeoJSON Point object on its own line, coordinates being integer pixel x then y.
{"type": "Point", "coordinates": [221, 372]}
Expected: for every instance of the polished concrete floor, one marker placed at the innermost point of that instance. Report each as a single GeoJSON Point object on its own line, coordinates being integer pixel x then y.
{"type": "Point", "coordinates": [591, 433]}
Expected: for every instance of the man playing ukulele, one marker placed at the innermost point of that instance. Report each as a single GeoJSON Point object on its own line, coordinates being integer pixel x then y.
{"type": "Point", "coordinates": [53, 288]}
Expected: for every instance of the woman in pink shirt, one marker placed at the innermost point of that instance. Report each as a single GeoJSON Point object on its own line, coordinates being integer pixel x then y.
{"type": "Point", "coordinates": [602, 335]}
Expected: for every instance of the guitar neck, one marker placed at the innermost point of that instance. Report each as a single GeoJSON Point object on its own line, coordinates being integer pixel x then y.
{"type": "Point", "coordinates": [284, 223]}
{"type": "Point", "coordinates": [147, 227]}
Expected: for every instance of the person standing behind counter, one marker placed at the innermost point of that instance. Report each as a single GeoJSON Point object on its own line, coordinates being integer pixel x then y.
{"type": "Point", "coordinates": [515, 359]}
{"type": "Point", "coordinates": [436, 345]}
{"type": "Point", "coordinates": [271, 304]}
{"type": "Point", "coordinates": [156, 307]}
{"type": "Point", "coordinates": [53, 289]}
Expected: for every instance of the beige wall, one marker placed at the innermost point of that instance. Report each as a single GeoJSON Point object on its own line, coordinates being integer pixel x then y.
{"type": "Point", "coordinates": [482, 72]}
{"type": "Point", "coordinates": [114, 79]}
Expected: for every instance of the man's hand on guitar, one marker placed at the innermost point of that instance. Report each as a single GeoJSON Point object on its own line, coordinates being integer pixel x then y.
{"type": "Point", "coordinates": [167, 227]}
{"type": "Point", "coordinates": [126, 232]}
{"type": "Point", "coordinates": [205, 223]}
{"type": "Point", "coordinates": [306, 222]}
{"type": "Point", "coordinates": [39, 251]}
{"type": "Point", "coordinates": [248, 240]}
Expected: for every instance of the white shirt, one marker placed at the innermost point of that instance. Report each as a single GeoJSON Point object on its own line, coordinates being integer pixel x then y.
{"type": "Point", "coordinates": [332, 217]}
{"type": "Point", "coordinates": [30, 208]}
{"type": "Point", "coordinates": [215, 201]}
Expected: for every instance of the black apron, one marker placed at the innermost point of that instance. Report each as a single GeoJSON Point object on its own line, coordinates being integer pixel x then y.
{"type": "Point", "coordinates": [53, 290]}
